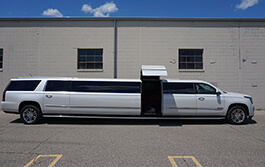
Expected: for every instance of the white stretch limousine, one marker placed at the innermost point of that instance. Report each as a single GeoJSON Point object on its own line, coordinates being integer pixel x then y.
{"type": "Point", "coordinates": [148, 98]}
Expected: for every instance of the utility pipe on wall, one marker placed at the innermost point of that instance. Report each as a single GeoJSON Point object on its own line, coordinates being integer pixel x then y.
{"type": "Point", "coordinates": [115, 49]}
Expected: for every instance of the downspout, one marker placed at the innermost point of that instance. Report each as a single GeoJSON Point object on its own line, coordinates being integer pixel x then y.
{"type": "Point", "coordinates": [239, 59]}
{"type": "Point", "coordinates": [239, 47]}
{"type": "Point", "coordinates": [115, 49]}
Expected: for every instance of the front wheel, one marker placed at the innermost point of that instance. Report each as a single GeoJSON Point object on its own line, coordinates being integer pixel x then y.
{"type": "Point", "coordinates": [237, 115]}
{"type": "Point", "coordinates": [30, 114]}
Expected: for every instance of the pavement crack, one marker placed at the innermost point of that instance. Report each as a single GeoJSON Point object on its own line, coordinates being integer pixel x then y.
{"type": "Point", "coordinates": [42, 142]}
{"type": "Point", "coordinates": [8, 152]}
{"type": "Point", "coordinates": [185, 162]}
{"type": "Point", "coordinates": [262, 140]}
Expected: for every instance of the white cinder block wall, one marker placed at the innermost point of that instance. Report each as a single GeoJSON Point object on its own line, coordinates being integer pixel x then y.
{"type": "Point", "coordinates": [233, 56]}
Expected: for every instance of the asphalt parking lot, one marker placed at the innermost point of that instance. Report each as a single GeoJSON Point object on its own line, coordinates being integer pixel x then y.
{"type": "Point", "coordinates": [99, 142]}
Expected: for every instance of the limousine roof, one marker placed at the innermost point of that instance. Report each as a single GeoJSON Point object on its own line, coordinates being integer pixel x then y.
{"type": "Point", "coordinates": [73, 78]}
{"type": "Point", "coordinates": [100, 79]}
{"type": "Point", "coordinates": [184, 81]}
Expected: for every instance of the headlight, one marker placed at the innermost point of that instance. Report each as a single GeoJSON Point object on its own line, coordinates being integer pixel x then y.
{"type": "Point", "coordinates": [250, 98]}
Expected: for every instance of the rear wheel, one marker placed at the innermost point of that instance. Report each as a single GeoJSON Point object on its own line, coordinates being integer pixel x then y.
{"type": "Point", "coordinates": [30, 114]}
{"type": "Point", "coordinates": [237, 115]}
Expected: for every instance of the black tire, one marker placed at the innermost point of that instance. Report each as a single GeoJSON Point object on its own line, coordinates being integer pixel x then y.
{"type": "Point", "coordinates": [30, 114]}
{"type": "Point", "coordinates": [237, 115]}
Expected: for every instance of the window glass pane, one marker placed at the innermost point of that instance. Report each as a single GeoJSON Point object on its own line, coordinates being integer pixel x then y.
{"type": "Point", "coordinates": [198, 52]}
{"type": "Point", "coordinates": [202, 88]}
{"type": "Point", "coordinates": [58, 86]}
{"type": "Point", "coordinates": [90, 52]}
{"type": "Point", "coordinates": [82, 52]}
{"type": "Point", "coordinates": [98, 52]}
{"type": "Point", "coordinates": [83, 86]}
{"type": "Point", "coordinates": [182, 58]}
{"type": "Point", "coordinates": [22, 85]}
{"type": "Point", "coordinates": [111, 87]}
{"type": "Point", "coordinates": [82, 66]}
{"type": "Point", "coordinates": [90, 65]}
{"type": "Point", "coordinates": [98, 58]}
{"type": "Point", "coordinates": [190, 66]}
{"type": "Point", "coordinates": [190, 58]}
{"type": "Point", "coordinates": [198, 59]}
{"type": "Point", "coordinates": [183, 52]}
{"type": "Point", "coordinates": [191, 52]}
{"type": "Point", "coordinates": [82, 58]}
{"type": "Point", "coordinates": [198, 65]}
{"type": "Point", "coordinates": [90, 58]}
{"type": "Point", "coordinates": [182, 66]}
{"type": "Point", "coordinates": [98, 66]}
{"type": "Point", "coordinates": [178, 88]}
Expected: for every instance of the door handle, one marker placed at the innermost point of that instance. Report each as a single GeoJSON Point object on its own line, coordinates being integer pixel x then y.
{"type": "Point", "coordinates": [48, 96]}
{"type": "Point", "coordinates": [201, 98]}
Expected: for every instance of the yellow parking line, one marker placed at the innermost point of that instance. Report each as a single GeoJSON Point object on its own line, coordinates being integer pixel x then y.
{"type": "Point", "coordinates": [51, 165]}
{"type": "Point", "coordinates": [173, 163]}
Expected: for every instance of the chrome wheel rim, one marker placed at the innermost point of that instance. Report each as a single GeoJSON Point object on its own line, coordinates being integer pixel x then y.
{"type": "Point", "coordinates": [29, 115]}
{"type": "Point", "coordinates": [238, 116]}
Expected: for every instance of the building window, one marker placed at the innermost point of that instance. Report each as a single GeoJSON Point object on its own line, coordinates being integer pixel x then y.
{"type": "Point", "coordinates": [1, 58]}
{"type": "Point", "coordinates": [190, 59]}
{"type": "Point", "coordinates": [90, 59]}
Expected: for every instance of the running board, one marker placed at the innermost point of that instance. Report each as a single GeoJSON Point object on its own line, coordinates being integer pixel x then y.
{"type": "Point", "coordinates": [132, 117]}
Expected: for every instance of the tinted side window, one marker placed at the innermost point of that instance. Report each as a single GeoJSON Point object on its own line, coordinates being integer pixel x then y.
{"type": "Point", "coordinates": [112, 87]}
{"type": "Point", "coordinates": [58, 86]}
{"type": "Point", "coordinates": [22, 85]}
{"type": "Point", "coordinates": [178, 88]}
{"type": "Point", "coordinates": [202, 88]}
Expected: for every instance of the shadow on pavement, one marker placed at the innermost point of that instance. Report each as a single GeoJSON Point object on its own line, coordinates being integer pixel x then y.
{"type": "Point", "coordinates": [251, 121]}
{"type": "Point", "coordinates": [161, 123]}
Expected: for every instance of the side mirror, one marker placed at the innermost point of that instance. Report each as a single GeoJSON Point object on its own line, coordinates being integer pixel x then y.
{"type": "Point", "coordinates": [218, 92]}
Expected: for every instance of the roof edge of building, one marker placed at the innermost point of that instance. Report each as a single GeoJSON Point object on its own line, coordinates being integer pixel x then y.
{"type": "Point", "coordinates": [130, 19]}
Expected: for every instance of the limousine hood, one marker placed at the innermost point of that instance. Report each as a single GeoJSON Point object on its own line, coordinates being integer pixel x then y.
{"type": "Point", "coordinates": [236, 94]}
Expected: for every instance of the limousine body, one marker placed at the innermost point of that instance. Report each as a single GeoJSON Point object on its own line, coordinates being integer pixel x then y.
{"type": "Point", "coordinates": [148, 98]}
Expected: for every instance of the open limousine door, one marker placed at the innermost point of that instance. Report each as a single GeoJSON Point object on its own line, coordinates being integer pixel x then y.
{"type": "Point", "coordinates": [151, 97]}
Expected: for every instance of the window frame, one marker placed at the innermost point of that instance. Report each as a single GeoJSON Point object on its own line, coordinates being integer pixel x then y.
{"type": "Point", "coordinates": [87, 69]}
{"type": "Point", "coordinates": [193, 69]}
